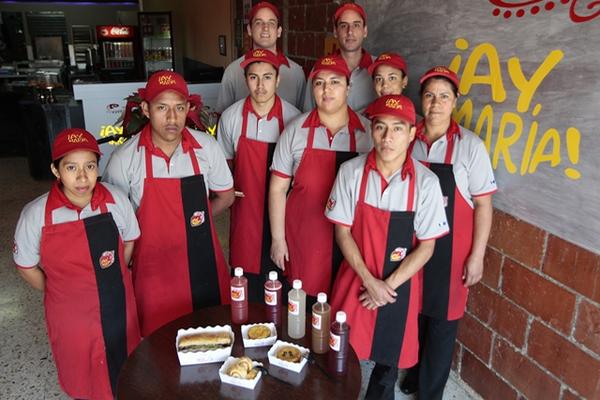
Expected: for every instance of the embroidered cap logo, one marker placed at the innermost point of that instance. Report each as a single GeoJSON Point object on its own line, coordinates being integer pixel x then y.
{"type": "Point", "coordinates": [384, 57]}
{"type": "Point", "coordinates": [76, 138]}
{"type": "Point", "coordinates": [166, 80]}
{"type": "Point", "coordinates": [393, 104]}
{"type": "Point", "coordinates": [259, 53]}
{"type": "Point", "coordinates": [328, 61]}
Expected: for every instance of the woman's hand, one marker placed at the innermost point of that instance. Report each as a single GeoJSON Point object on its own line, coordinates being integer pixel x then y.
{"type": "Point", "coordinates": [473, 270]}
{"type": "Point", "coordinates": [377, 293]}
{"type": "Point", "coordinates": [279, 253]}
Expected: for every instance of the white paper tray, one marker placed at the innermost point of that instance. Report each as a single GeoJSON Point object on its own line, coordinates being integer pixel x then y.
{"type": "Point", "coordinates": [247, 383]}
{"type": "Point", "coordinates": [296, 367]}
{"type": "Point", "coordinates": [204, 357]}
{"type": "Point", "coordinates": [259, 342]}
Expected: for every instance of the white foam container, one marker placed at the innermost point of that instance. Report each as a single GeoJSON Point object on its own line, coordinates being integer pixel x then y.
{"type": "Point", "coordinates": [247, 383]}
{"type": "Point", "coordinates": [296, 367]}
{"type": "Point", "coordinates": [204, 357]}
{"type": "Point", "coordinates": [268, 341]}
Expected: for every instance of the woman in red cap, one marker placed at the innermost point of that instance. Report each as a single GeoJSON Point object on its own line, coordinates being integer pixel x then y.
{"type": "Point", "coordinates": [177, 179]}
{"type": "Point", "coordinates": [389, 73]}
{"type": "Point", "coordinates": [381, 203]}
{"type": "Point", "coordinates": [459, 158]}
{"type": "Point", "coordinates": [88, 294]}
{"type": "Point", "coordinates": [307, 157]}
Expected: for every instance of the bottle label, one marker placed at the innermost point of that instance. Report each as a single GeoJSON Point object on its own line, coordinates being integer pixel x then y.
{"type": "Point", "coordinates": [334, 341]}
{"type": "Point", "coordinates": [316, 321]}
{"type": "Point", "coordinates": [270, 298]}
{"type": "Point", "coordinates": [237, 293]}
{"type": "Point", "coordinates": [293, 307]}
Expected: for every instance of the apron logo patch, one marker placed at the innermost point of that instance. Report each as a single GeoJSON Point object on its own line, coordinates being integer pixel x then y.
{"type": "Point", "coordinates": [445, 201]}
{"type": "Point", "coordinates": [398, 254]}
{"type": "Point", "coordinates": [107, 259]}
{"type": "Point", "coordinates": [330, 203]}
{"type": "Point", "coordinates": [197, 219]}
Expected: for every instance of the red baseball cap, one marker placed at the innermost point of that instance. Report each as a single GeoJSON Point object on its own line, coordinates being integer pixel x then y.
{"type": "Point", "coordinates": [73, 139]}
{"type": "Point", "coordinates": [392, 105]}
{"type": "Point", "coordinates": [352, 7]}
{"type": "Point", "coordinates": [391, 59]}
{"type": "Point", "coordinates": [260, 55]}
{"type": "Point", "coordinates": [443, 72]}
{"type": "Point", "coordinates": [333, 63]}
{"type": "Point", "coordinates": [161, 81]}
{"type": "Point", "coordinates": [263, 4]}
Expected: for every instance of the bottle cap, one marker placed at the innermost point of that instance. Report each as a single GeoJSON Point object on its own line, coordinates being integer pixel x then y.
{"type": "Point", "coordinates": [340, 317]}
{"type": "Point", "coordinates": [238, 271]}
{"type": "Point", "coordinates": [297, 284]}
{"type": "Point", "coordinates": [322, 297]}
{"type": "Point", "coordinates": [273, 275]}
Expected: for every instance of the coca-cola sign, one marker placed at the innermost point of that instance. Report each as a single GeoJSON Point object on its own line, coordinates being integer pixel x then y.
{"type": "Point", "coordinates": [114, 31]}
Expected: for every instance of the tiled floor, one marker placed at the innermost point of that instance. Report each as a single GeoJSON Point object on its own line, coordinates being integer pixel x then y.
{"type": "Point", "coordinates": [26, 367]}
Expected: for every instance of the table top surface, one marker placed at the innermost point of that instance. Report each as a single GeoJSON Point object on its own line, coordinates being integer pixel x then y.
{"type": "Point", "coordinates": [152, 371]}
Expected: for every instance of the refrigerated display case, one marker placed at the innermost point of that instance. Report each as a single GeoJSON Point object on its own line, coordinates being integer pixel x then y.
{"type": "Point", "coordinates": [157, 42]}
{"type": "Point", "coordinates": [117, 45]}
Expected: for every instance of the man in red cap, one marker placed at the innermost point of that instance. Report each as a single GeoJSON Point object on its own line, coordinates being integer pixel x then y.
{"type": "Point", "coordinates": [168, 171]}
{"type": "Point", "coordinates": [307, 157]}
{"type": "Point", "coordinates": [264, 27]}
{"type": "Point", "coordinates": [74, 244]}
{"type": "Point", "coordinates": [248, 131]}
{"type": "Point", "coordinates": [350, 29]}
{"type": "Point", "coordinates": [380, 203]}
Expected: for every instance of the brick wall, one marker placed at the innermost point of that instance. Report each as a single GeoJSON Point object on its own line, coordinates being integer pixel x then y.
{"type": "Point", "coordinates": [532, 327]}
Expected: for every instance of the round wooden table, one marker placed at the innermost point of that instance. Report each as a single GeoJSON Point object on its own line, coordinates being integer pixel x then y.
{"type": "Point", "coordinates": [152, 371]}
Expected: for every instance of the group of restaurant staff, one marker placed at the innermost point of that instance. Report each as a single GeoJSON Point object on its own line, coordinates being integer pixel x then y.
{"type": "Point", "coordinates": [388, 215]}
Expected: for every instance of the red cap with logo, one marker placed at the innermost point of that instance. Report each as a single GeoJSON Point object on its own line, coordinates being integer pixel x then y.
{"type": "Point", "coordinates": [350, 7]}
{"type": "Point", "coordinates": [394, 106]}
{"type": "Point", "coordinates": [260, 55]}
{"type": "Point", "coordinates": [333, 63]}
{"type": "Point", "coordinates": [161, 81]}
{"type": "Point", "coordinates": [263, 4]}
{"type": "Point", "coordinates": [441, 71]}
{"type": "Point", "coordinates": [73, 139]}
{"type": "Point", "coordinates": [392, 59]}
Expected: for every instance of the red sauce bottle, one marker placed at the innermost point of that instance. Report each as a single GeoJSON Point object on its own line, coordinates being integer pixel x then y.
{"type": "Point", "coordinates": [239, 297]}
{"type": "Point", "coordinates": [273, 298]}
{"type": "Point", "coordinates": [339, 336]}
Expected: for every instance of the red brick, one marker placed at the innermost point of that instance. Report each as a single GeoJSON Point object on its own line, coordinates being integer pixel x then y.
{"type": "Point", "coordinates": [498, 313]}
{"type": "Point", "coordinates": [587, 327]}
{"type": "Point", "coordinates": [539, 296]}
{"type": "Point", "coordinates": [565, 360]}
{"type": "Point", "coordinates": [492, 267]}
{"type": "Point", "coordinates": [517, 239]}
{"type": "Point", "coordinates": [475, 337]}
{"type": "Point", "coordinates": [575, 267]}
{"type": "Point", "coordinates": [483, 381]}
{"type": "Point", "coordinates": [316, 18]}
{"type": "Point", "coordinates": [320, 44]}
{"type": "Point", "coordinates": [306, 45]}
{"type": "Point", "coordinates": [292, 38]}
{"type": "Point", "coordinates": [296, 18]}
{"type": "Point", "coordinates": [330, 13]}
{"type": "Point", "coordinates": [524, 375]}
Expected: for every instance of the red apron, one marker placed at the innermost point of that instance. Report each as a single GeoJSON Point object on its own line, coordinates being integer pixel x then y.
{"type": "Point", "coordinates": [314, 254]}
{"type": "Point", "coordinates": [249, 230]}
{"type": "Point", "coordinates": [89, 304]}
{"type": "Point", "coordinates": [387, 335]}
{"type": "Point", "coordinates": [444, 295]}
{"type": "Point", "coordinates": [178, 264]}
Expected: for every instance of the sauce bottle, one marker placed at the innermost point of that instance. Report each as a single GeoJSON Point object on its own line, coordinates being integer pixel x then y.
{"type": "Point", "coordinates": [320, 324]}
{"type": "Point", "coordinates": [273, 298]}
{"type": "Point", "coordinates": [296, 311]}
{"type": "Point", "coordinates": [239, 298]}
{"type": "Point", "coordinates": [338, 344]}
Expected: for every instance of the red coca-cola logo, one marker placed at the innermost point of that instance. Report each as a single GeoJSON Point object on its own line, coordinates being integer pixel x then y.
{"type": "Point", "coordinates": [114, 31]}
